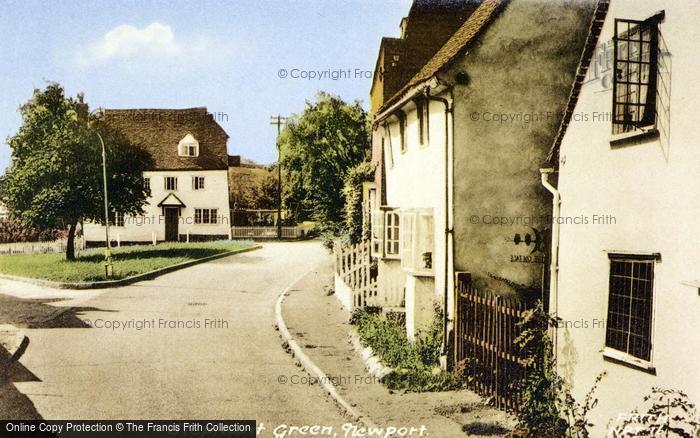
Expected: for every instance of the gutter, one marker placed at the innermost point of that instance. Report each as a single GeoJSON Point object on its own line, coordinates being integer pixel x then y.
{"type": "Point", "coordinates": [411, 94]}
{"type": "Point", "coordinates": [554, 262]}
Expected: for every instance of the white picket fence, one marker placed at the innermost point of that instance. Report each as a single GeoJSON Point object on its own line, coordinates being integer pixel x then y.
{"type": "Point", "coordinates": [265, 232]}
{"type": "Point", "coordinates": [57, 246]}
{"type": "Point", "coordinates": [355, 284]}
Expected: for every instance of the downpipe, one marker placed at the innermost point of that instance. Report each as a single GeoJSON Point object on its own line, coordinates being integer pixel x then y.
{"type": "Point", "coordinates": [448, 229]}
{"type": "Point", "coordinates": [554, 262]}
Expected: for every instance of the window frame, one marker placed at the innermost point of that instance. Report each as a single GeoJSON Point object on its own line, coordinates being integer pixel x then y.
{"type": "Point", "coordinates": [408, 239]}
{"type": "Point", "coordinates": [211, 215]}
{"type": "Point", "coordinates": [188, 147]}
{"type": "Point", "coordinates": [401, 115]}
{"type": "Point", "coordinates": [377, 233]}
{"type": "Point", "coordinates": [610, 352]}
{"type": "Point", "coordinates": [388, 147]}
{"type": "Point", "coordinates": [147, 183]}
{"type": "Point", "coordinates": [165, 183]}
{"type": "Point", "coordinates": [418, 238]}
{"type": "Point", "coordinates": [423, 120]}
{"type": "Point", "coordinates": [196, 186]}
{"type": "Point", "coordinates": [622, 130]}
{"type": "Point", "coordinates": [117, 219]}
{"type": "Point", "coordinates": [420, 119]}
{"type": "Point", "coordinates": [392, 234]}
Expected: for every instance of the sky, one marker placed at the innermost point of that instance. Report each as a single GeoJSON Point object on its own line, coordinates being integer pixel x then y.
{"type": "Point", "coordinates": [245, 60]}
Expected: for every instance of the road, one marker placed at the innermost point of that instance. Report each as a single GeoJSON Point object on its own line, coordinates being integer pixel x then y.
{"type": "Point", "coordinates": [229, 370]}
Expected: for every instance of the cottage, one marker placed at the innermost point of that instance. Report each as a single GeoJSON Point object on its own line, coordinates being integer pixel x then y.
{"type": "Point", "coordinates": [458, 147]}
{"type": "Point", "coordinates": [627, 152]}
{"type": "Point", "coordinates": [188, 182]}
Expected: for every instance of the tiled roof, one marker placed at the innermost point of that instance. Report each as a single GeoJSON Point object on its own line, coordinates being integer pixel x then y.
{"type": "Point", "coordinates": [589, 49]}
{"type": "Point", "coordinates": [455, 45]}
{"type": "Point", "coordinates": [421, 40]}
{"type": "Point", "coordinates": [159, 131]}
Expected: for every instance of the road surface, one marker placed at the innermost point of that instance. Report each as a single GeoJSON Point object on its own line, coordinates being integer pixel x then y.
{"type": "Point", "coordinates": [207, 348]}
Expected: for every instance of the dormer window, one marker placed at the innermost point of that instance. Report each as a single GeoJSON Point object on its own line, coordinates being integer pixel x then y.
{"type": "Point", "coordinates": [188, 146]}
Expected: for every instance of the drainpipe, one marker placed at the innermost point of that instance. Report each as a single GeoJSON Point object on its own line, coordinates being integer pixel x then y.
{"type": "Point", "coordinates": [448, 229]}
{"type": "Point", "coordinates": [554, 262]}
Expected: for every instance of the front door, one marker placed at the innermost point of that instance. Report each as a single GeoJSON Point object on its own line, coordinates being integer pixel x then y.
{"type": "Point", "coordinates": [171, 220]}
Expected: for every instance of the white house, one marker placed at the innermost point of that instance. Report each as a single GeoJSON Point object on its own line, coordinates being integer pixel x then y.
{"type": "Point", "coordinates": [458, 146]}
{"type": "Point", "coordinates": [628, 160]}
{"type": "Point", "coordinates": [188, 182]}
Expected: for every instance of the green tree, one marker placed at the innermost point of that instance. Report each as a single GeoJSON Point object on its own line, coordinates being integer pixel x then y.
{"type": "Point", "coordinates": [55, 177]}
{"type": "Point", "coordinates": [319, 147]}
{"type": "Point", "coordinates": [265, 192]}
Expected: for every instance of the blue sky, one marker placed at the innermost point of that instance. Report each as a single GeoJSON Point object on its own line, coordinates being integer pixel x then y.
{"type": "Point", "coordinates": [226, 56]}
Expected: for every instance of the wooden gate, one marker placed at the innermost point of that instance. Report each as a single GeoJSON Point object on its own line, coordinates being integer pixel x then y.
{"type": "Point", "coordinates": [486, 328]}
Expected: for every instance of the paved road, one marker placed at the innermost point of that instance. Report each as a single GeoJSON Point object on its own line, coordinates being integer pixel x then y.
{"type": "Point", "coordinates": [219, 372]}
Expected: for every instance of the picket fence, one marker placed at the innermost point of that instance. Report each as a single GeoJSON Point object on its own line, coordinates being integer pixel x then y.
{"type": "Point", "coordinates": [57, 246]}
{"type": "Point", "coordinates": [265, 232]}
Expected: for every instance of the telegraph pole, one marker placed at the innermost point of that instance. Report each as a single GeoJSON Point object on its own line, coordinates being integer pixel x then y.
{"type": "Point", "coordinates": [279, 121]}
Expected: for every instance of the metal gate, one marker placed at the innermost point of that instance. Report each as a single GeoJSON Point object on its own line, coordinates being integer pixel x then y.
{"type": "Point", "coordinates": [486, 328]}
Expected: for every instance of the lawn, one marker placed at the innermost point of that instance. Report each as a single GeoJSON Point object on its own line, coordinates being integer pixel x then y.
{"type": "Point", "coordinates": [128, 261]}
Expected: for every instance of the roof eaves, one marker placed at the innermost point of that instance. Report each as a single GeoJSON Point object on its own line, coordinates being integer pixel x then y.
{"type": "Point", "coordinates": [595, 27]}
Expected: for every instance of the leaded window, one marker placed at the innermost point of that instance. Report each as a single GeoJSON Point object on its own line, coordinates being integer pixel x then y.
{"type": "Point", "coordinates": [634, 82]}
{"type": "Point", "coordinates": [629, 321]}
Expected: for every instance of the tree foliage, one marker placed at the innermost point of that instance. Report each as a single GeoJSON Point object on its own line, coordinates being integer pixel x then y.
{"type": "Point", "coordinates": [55, 177]}
{"type": "Point", "coordinates": [354, 212]}
{"type": "Point", "coordinates": [319, 147]}
{"type": "Point", "coordinates": [254, 189]}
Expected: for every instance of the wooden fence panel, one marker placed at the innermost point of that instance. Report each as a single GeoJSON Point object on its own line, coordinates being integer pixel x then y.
{"type": "Point", "coordinates": [353, 264]}
{"type": "Point", "coordinates": [58, 246]}
{"type": "Point", "coordinates": [486, 329]}
{"type": "Point", "coordinates": [264, 232]}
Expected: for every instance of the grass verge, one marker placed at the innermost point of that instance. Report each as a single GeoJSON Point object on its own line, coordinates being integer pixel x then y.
{"type": "Point", "coordinates": [127, 261]}
{"type": "Point", "coordinates": [416, 365]}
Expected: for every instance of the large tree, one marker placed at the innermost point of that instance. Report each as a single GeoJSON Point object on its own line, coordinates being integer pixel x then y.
{"type": "Point", "coordinates": [55, 177]}
{"type": "Point", "coordinates": [319, 147]}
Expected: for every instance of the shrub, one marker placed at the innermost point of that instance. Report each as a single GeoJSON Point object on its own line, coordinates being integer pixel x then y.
{"type": "Point", "coordinates": [669, 414]}
{"type": "Point", "coordinates": [12, 231]}
{"type": "Point", "coordinates": [416, 365]}
{"type": "Point", "coordinates": [547, 409]}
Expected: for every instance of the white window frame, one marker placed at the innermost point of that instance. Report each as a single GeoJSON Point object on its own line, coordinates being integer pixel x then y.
{"type": "Point", "coordinates": [392, 234]}
{"type": "Point", "coordinates": [188, 146]}
{"type": "Point", "coordinates": [117, 219]}
{"type": "Point", "coordinates": [403, 124]}
{"type": "Point", "coordinates": [417, 240]}
{"type": "Point", "coordinates": [198, 183]}
{"type": "Point", "coordinates": [388, 147]}
{"type": "Point", "coordinates": [408, 230]}
{"type": "Point", "coordinates": [165, 183]}
{"type": "Point", "coordinates": [377, 233]}
{"type": "Point", "coordinates": [206, 216]}
{"type": "Point", "coordinates": [147, 183]}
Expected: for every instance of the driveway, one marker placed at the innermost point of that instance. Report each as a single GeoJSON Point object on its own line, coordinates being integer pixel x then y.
{"type": "Point", "coordinates": [199, 343]}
